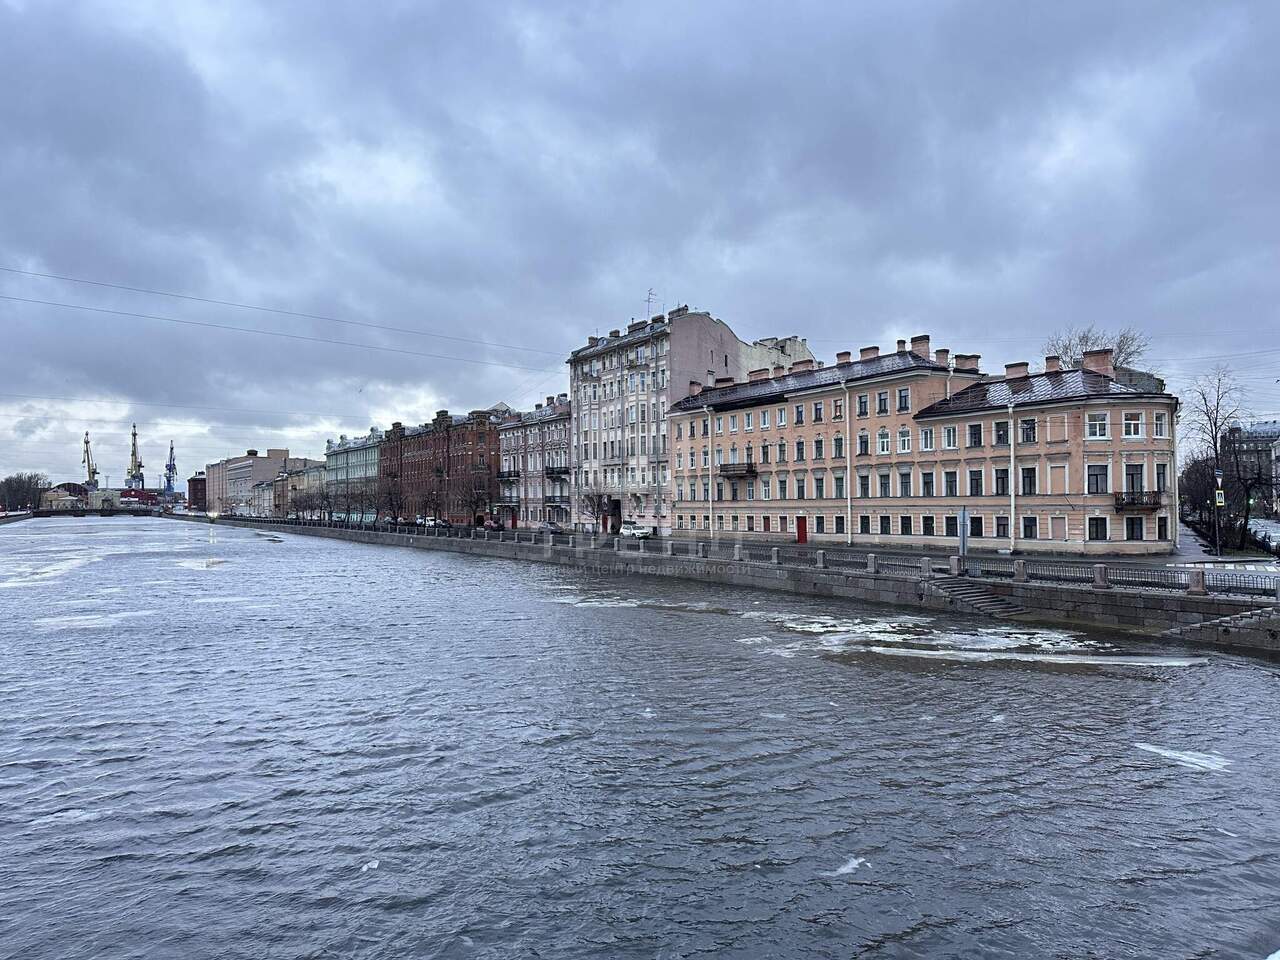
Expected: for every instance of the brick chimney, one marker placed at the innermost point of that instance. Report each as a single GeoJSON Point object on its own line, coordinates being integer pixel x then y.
{"type": "Point", "coordinates": [942, 357]}
{"type": "Point", "coordinates": [968, 361]}
{"type": "Point", "coordinates": [920, 345]}
{"type": "Point", "coordinates": [1052, 364]}
{"type": "Point", "coordinates": [902, 346]}
{"type": "Point", "coordinates": [724, 381]}
{"type": "Point", "coordinates": [843, 357]}
{"type": "Point", "coordinates": [1100, 361]}
{"type": "Point", "coordinates": [801, 365]}
{"type": "Point", "coordinates": [868, 353]}
{"type": "Point", "coordinates": [754, 376]}
{"type": "Point", "coordinates": [1016, 371]}
{"type": "Point", "coordinates": [592, 341]}
{"type": "Point", "coordinates": [695, 388]}
{"type": "Point", "coordinates": [779, 370]}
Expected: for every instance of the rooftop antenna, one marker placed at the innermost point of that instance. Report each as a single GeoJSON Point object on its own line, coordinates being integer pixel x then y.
{"type": "Point", "coordinates": [649, 300]}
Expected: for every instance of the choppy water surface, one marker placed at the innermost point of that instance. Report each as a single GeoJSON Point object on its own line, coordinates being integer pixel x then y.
{"type": "Point", "coordinates": [215, 743]}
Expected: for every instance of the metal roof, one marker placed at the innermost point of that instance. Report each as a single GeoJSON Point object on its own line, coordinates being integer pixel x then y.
{"type": "Point", "coordinates": [1034, 390]}
{"type": "Point", "coordinates": [762, 391]}
{"type": "Point", "coordinates": [605, 344]}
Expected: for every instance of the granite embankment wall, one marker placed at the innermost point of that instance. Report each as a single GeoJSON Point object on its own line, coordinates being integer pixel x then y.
{"type": "Point", "coordinates": [14, 518]}
{"type": "Point", "coordinates": [1134, 611]}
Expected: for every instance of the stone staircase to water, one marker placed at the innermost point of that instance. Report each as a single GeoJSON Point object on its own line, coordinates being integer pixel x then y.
{"type": "Point", "coordinates": [1254, 628]}
{"type": "Point", "coordinates": [973, 597]}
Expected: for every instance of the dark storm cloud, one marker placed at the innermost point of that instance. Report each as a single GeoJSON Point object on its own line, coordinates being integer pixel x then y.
{"type": "Point", "coordinates": [523, 173]}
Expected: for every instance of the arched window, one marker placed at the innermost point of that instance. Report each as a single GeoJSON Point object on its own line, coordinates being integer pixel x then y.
{"type": "Point", "coordinates": [837, 447]}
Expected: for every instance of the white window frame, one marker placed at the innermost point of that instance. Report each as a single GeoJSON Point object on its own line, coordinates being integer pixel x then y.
{"type": "Point", "coordinates": [1126, 420]}
{"type": "Point", "coordinates": [951, 437]}
{"type": "Point", "coordinates": [1160, 425]}
{"type": "Point", "coordinates": [1091, 422]}
{"type": "Point", "coordinates": [904, 440]}
{"type": "Point", "coordinates": [884, 442]}
{"type": "Point", "coordinates": [926, 439]}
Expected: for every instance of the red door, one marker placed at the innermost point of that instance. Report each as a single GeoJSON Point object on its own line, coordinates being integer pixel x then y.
{"type": "Point", "coordinates": [766, 523]}
{"type": "Point", "coordinates": [802, 530]}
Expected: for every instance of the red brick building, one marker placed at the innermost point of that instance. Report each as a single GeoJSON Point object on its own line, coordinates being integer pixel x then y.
{"type": "Point", "coordinates": [447, 468]}
{"type": "Point", "coordinates": [196, 492]}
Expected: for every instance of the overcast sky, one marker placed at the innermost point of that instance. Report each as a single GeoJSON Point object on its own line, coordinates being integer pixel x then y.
{"type": "Point", "coordinates": [497, 181]}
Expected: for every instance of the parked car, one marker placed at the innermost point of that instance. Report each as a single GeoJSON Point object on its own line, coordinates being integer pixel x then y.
{"type": "Point", "coordinates": [442, 523]}
{"type": "Point", "coordinates": [632, 529]}
{"type": "Point", "coordinates": [492, 524]}
{"type": "Point", "coordinates": [550, 526]}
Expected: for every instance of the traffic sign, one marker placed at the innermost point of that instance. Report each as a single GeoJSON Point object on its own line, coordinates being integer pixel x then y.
{"type": "Point", "coordinates": [1222, 499]}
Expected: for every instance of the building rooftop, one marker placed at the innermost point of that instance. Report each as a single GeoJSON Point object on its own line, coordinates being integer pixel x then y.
{"type": "Point", "coordinates": [764, 389]}
{"type": "Point", "coordinates": [1032, 390]}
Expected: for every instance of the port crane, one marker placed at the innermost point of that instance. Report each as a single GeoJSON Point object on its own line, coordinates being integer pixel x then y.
{"type": "Point", "coordinates": [135, 479]}
{"type": "Point", "coordinates": [91, 471]}
{"type": "Point", "coordinates": [170, 473]}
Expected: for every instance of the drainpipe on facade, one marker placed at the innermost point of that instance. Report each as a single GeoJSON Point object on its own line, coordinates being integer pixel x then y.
{"type": "Point", "coordinates": [848, 472]}
{"type": "Point", "coordinates": [1013, 489]}
{"type": "Point", "coordinates": [711, 485]}
{"type": "Point", "coordinates": [1176, 493]}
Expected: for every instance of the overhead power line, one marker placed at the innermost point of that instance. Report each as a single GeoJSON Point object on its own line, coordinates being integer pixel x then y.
{"type": "Point", "coordinates": [273, 333]}
{"type": "Point", "coordinates": [277, 310]}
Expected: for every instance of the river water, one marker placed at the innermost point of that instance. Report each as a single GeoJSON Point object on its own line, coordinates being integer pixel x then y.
{"type": "Point", "coordinates": [219, 743]}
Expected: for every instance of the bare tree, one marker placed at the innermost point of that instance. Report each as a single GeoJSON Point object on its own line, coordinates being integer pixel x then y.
{"type": "Point", "coordinates": [21, 490]}
{"type": "Point", "coordinates": [1249, 478]}
{"type": "Point", "coordinates": [596, 504]}
{"type": "Point", "coordinates": [390, 497]}
{"type": "Point", "coordinates": [1213, 403]}
{"type": "Point", "coordinates": [1128, 345]}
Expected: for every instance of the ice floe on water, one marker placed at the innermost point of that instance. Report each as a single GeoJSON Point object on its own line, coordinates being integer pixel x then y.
{"type": "Point", "coordinates": [848, 867]}
{"type": "Point", "coordinates": [371, 865]}
{"type": "Point", "coordinates": [200, 564]}
{"type": "Point", "coordinates": [1100, 659]}
{"type": "Point", "coordinates": [1188, 758]}
{"type": "Point", "coordinates": [34, 573]}
{"type": "Point", "coordinates": [88, 621]}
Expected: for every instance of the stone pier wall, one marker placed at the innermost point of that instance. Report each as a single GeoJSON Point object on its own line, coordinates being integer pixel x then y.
{"type": "Point", "coordinates": [1133, 611]}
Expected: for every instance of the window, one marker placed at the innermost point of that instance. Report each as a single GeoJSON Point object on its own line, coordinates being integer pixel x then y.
{"type": "Point", "coordinates": [949, 441]}
{"type": "Point", "coordinates": [1162, 528]}
{"type": "Point", "coordinates": [886, 526]}
{"type": "Point", "coordinates": [839, 523]}
{"type": "Point", "coordinates": [799, 415]}
{"type": "Point", "coordinates": [926, 438]}
{"type": "Point", "coordinates": [1133, 428]}
{"type": "Point", "coordinates": [799, 450]}
{"type": "Point", "coordinates": [819, 488]}
{"type": "Point", "coordinates": [719, 456]}
{"type": "Point", "coordinates": [1160, 425]}
{"type": "Point", "coordinates": [1097, 477]}
{"type": "Point", "coordinates": [904, 440]}
{"type": "Point", "coordinates": [837, 448]}
{"type": "Point", "coordinates": [764, 419]}
{"type": "Point", "coordinates": [926, 526]}
{"type": "Point", "coordinates": [975, 435]}
{"type": "Point", "coordinates": [733, 490]}
{"type": "Point", "coordinates": [817, 411]}
{"type": "Point", "coordinates": [904, 483]}
{"type": "Point", "coordinates": [1027, 430]}
{"type": "Point", "coordinates": [864, 486]}
{"type": "Point", "coordinates": [764, 453]}
{"type": "Point", "coordinates": [950, 484]}
{"type": "Point", "coordinates": [1097, 528]}
{"type": "Point", "coordinates": [1029, 481]}
{"type": "Point", "coordinates": [746, 425]}
{"type": "Point", "coordinates": [882, 441]}
{"type": "Point", "coordinates": [1001, 433]}
{"type": "Point", "coordinates": [882, 402]}
{"type": "Point", "coordinates": [864, 524]}
{"type": "Point", "coordinates": [733, 423]}
{"type": "Point", "coordinates": [1162, 477]}
{"type": "Point", "coordinates": [839, 481]}
{"type": "Point", "coordinates": [817, 448]}
{"type": "Point", "coordinates": [751, 522]}
{"type": "Point", "coordinates": [819, 524]}
{"type": "Point", "coordinates": [1133, 528]}
{"type": "Point", "coordinates": [782, 451]}
{"type": "Point", "coordinates": [1133, 477]}
{"type": "Point", "coordinates": [799, 488]}
{"type": "Point", "coordinates": [904, 525]}
{"type": "Point", "coordinates": [862, 410]}
{"type": "Point", "coordinates": [975, 526]}
{"type": "Point", "coordinates": [975, 483]}
{"type": "Point", "coordinates": [837, 413]}
{"type": "Point", "coordinates": [1002, 481]}
{"type": "Point", "coordinates": [926, 484]}
{"type": "Point", "coordinates": [884, 485]}
{"type": "Point", "coordinates": [766, 491]}
{"type": "Point", "coordinates": [864, 444]}
{"type": "Point", "coordinates": [782, 488]}
{"type": "Point", "coordinates": [951, 526]}
{"type": "Point", "coordinates": [904, 399]}
{"type": "Point", "coordinates": [1002, 527]}
{"type": "Point", "coordinates": [719, 490]}
{"type": "Point", "coordinates": [719, 425]}
{"type": "Point", "coordinates": [1097, 428]}
{"type": "Point", "coordinates": [782, 417]}
{"type": "Point", "coordinates": [1030, 528]}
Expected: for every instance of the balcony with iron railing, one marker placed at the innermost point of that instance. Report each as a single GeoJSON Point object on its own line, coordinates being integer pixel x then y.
{"type": "Point", "coordinates": [1139, 500]}
{"type": "Point", "coordinates": [557, 472]}
{"type": "Point", "coordinates": [508, 475]}
{"type": "Point", "coordinates": [557, 499]}
{"type": "Point", "coordinates": [737, 469]}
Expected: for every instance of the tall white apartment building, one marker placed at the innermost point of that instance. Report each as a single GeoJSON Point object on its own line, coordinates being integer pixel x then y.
{"type": "Point", "coordinates": [621, 387]}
